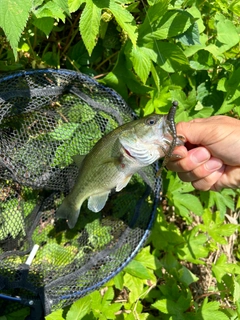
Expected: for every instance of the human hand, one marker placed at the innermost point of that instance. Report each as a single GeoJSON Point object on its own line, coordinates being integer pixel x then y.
{"type": "Point", "coordinates": [210, 159]}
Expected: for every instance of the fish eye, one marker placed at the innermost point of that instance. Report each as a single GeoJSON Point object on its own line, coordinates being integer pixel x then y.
{"type": "Point", "coordinates": [151, 121]}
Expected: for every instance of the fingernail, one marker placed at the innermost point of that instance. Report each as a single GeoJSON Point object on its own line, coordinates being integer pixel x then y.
{"type": "Point", "coordinates": [200, 155]}
{"type": "Point", "coordinates": [213, 164]}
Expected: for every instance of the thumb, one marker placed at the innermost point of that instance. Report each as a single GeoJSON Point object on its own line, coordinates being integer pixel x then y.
{"type": "Point", "coordinates": [198, 131]}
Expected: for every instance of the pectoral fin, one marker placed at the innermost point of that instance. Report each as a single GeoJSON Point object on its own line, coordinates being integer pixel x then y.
{"type": "Point", "coordinates": [122, 183]}
{"type": "Point", "coordinates": [97, 201]}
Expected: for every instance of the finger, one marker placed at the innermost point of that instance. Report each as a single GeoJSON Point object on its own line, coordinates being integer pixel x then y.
{"type": "Point", "coordinates": [229, 179]}
{"type": "Point", "coordinates": [208, 182]}
{"type": "Point", "coordinates": [194, 159]}
{"type": "Point", "coordinates": [200, 131]}
{"type": "Point", "coordinates": [180, 152]}
{"type": "Point", "coordinates": [202, 171]}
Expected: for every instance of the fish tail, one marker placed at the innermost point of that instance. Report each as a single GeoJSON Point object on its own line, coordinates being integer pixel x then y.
{"type": "Point", "coordinates": [69, 212]}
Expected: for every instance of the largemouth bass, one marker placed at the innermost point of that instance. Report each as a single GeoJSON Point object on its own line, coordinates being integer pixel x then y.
{"type": "Point", "coordinates": [115, 158]}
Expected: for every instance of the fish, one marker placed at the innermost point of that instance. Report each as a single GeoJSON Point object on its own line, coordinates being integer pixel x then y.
{"type": "Point", "coordinates": [114, 159]}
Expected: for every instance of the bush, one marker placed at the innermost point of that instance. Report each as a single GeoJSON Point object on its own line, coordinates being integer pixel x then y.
{"type": "Point", "coordinates": [151, 52]}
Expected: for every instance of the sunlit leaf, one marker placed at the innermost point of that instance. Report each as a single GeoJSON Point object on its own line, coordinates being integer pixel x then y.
{"type": "Point", "coordinates": [13, 18]}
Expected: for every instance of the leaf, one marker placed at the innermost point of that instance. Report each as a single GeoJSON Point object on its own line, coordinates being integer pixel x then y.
{"type": "Point", "coordinates": [125, 20]}
{"type": "Point", "coordinates": [171, 24]}
{"type": "Point", "coordinates": [54, 253]}
{"type": "Point", "coordinates": [118, 281]}
{"type": "Point", "coordinates": [135, 285]}
{"type": "Point", "coordinates": [108, 308]}
{"type": "Point", "coordinates": [56, 315]}
{"type": "Point", "coordinates": [197, 15]}
{"type": "Point", "coordinates": [13, 18]}
{"type": "Point", "coordinates": [209, 310]}
{"type": "Point", "coordinates": [236, 291]}
{"type": "Point", "coordinates": [50, 9]}
{"type": "Point", "coordinates": [154, 14]}
{"type": "Point", "coordinates": [148, 259]}
{"type": "Point", "coordinates": [190, 36]}
{"type": "Point", "coordinates": [221, 267]}
{"type": "Point", "coordinates": [89, 25]}
{"type": "Point", "coordinates": [74, 5]}
{"type": "Point", "coordinates": [235, 7]}
{"type": "Point", "coordinates": [225, 28]}
{"type": "Point", "coordinates": [142, 58]}
{"type": "Point", "coordinates": [170, 57]}
{"type": "Point", "coordinates": [228, 229]}
{"type": "Point", "coordinates": [64, 132]}
{"type": "Point", "coordinates": [11, 220]}
{"type": "Point", "coordinates": [63, 4]}
{"type": "Point", "coordinates": [121, 78]}
{"type": "Point", "coordinates": [232, 87]}
{"type": "Point", "coordinates": [195, 247]}
{"type": "Point", "coordinates": [189, 201]}
{"type": "Point", "coordinates": [79, 309]}
{"type": "Point", "coordinates": [137, 269]}
{"type": "Point", "coordinates": [44, 24]}
{"type": "Point", "coordinates": [169, 307]}
{"type": "Point", "coordinates": [186, 276]}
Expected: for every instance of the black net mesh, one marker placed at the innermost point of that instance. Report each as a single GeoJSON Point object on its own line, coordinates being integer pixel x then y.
{"type": "Point", "coordinates": [46, 117]}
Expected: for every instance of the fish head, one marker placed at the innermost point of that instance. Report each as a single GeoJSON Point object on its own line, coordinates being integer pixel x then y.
{"type": "Point", "coordinates": [147, 139]}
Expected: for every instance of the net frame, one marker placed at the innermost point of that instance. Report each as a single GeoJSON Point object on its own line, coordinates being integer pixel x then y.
{"type": "Point", "coordinates": [55, 83]}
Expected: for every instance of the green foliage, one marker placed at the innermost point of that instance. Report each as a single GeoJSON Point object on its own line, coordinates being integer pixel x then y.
{"type": "Point", "coordinates": [151, 52]}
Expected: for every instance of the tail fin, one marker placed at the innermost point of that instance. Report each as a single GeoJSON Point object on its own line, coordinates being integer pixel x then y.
{"type": "Point", "coordinates": [68, 212]}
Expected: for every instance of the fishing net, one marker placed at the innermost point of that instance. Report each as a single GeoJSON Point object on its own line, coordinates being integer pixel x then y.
{"type": "Point", "coordinates": [47, 117]}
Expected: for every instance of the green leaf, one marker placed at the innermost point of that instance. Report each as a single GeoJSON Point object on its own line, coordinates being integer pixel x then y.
{"type": "Point", "coordinates": [232, 87]}
{"type": "Point", "coordinates": [79, 309]}
{"type": "Point", "coordinates": [148, 259]}
{"type": "Point", "coordinates": [221, 267]}
{"type": "Point", "coordinates": [56, 315]}
{"type": "Point", "coordinates": [170, 57]}
{"type": "Point", "coordinates": [228, 229]}
{"type": "Point", "coordinates": [44, 24]}
{"type": "Point", "coordinates": [121, 78]}
{"type": "Point", "coordinates": [64, 132]}
{"type": "Point", "coordinates": [54, 253]}
{"type": "Point", "coordinates": [135, 285]}
{"type": "Point", "coordinates": [209, 310]}
{"type": "Point", "coordinates": [50, 9]}
{"type": "Point", "coordinates": [63, 5]}
{"type": "Point", "coordinates": [74, 5]}
{"type": "Point", "coordinates": [186, 276]}
{"type": "Point", "coordinates": [11, 220]}
{"type": "Point", "coordinates": [13, 18]}
{"type": "Point", "coordinates": [125, 20]}
{"type": "Point", "coordinates": [236, 291]}
{"type": "Point", "coordinates": [118, 281]}
{"type": "Point", "coordinates": [153, 15]}
{"type": "Point", "coordinates": [169, 307]}
{"type": "Point", "coordinates": [142, 58]}
{"type": "Point", "coordinates": [225, 28]}
{"type": "Point", "coordinates": [189, 201]}
{"type": "Point", "coordinates": [89, 25]}
{"type": "Point", "coordinates": [235, 7]}
{"type": "Point", "coordinates": [190, 36]}
{"type": "Point", "coordinates": [173, 23]}
{"type": "Point", "coordinates": [195, 248]}
{"type": "Point", "coordinates": [19, 314]}
{"type": "Point", "coordinates": [197, 15]}
{"type": "Point", "coordinates": [137, 269]}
